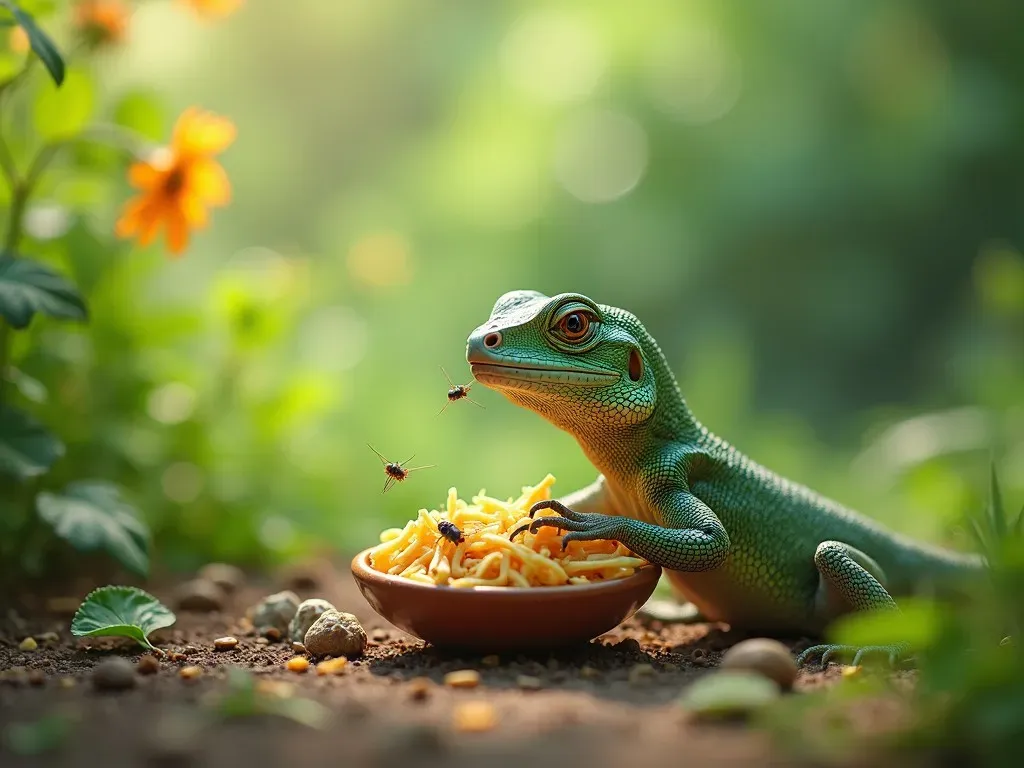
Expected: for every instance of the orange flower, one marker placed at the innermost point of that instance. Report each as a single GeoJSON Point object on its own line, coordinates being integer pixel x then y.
{"type": "Point", "coordinates": [179, 182]}
{"type": "Point", "coordinates": [102, 21]}
{"type": "Point", "coordinates": [213, 9]}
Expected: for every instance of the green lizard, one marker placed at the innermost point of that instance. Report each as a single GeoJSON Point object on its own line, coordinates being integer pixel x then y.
{"type": "Point", "coordinates": [742, 544]}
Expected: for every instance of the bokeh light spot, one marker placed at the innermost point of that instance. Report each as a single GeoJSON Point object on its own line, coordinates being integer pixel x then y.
{"type": "Point", "coordinates": [381, 260]}
{"type": "Point", "coordinates": [183, 482]}
{"type": "Point", "coordinates": [171, 403]}
{"type": "Point", "coordinates": [694, 75]}
{"type": "Point", "coordinates": [600, 156]}
{"type": "Point", "coordinates": [276, 533]}
{"type": "Point", "coordinates": [334, 339]}
{"type": "Point", "coordinates": [553, 55]}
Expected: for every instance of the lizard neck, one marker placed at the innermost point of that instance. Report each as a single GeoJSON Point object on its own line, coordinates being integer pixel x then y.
{"type": "Point", "coordinates": [621, 451]}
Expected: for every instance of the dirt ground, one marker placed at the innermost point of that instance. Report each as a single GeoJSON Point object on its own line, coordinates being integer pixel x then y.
{"type": "Point", "coordinates": [592, 707]}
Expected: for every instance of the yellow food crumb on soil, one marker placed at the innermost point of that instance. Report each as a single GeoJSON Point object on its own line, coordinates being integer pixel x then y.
{"type": "Point", "coordinates": [474, 716]}
{"type": "Point", "coordinates": [190, 673]}
{"type": "Point", "coordinates": [297, 664]}
{"type": "Point", "coordinates": [462, 678]}
{"type": "Point", "coordinates": [331, 666]}
{"type": "Point", "coordinates": [28, 644]}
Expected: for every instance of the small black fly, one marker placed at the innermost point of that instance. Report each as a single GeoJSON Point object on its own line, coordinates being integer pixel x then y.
{"type": "Point", "coordinates": [450, 531]}
{"type": "Point", "coordinates": [457, 392]}
{"type": "Point", "coordinates": [396, 471]}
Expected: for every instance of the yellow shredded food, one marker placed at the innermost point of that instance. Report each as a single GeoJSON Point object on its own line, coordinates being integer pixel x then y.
{"type": "Point", "coordinates": [487, 556]}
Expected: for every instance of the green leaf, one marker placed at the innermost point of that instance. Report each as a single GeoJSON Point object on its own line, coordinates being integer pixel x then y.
{"type": "Point", "coordinates": [90, 515]}
{"type": "Point", "coordinates": [121, 612]}
{"type": "Point", "coordinates": [27, 287]}
{"type": "Point", "coordinates": [61, 113]}
{"type": "Point", "coordinates": [40, 42]}
{"type": "Point", "coordinates": [142, 112]}
{"type": "Point", "coordinates": [996, 516]}
{"type": "Point", "coordinates": [27, 448]}
{"type": "Point", "coordinates": [917, 623]}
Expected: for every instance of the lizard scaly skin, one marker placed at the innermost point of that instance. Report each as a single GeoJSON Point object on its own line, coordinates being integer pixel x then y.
{"type": "Point", "coordinates": [744, 545]}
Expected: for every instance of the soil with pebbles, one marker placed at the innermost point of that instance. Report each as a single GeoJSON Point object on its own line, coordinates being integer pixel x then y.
{"type": "Point", "coordinates": [592, 707]}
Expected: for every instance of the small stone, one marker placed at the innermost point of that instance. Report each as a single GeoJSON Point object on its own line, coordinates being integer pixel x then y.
{"type": "Point", "coordinates": [148, 665]}
{"type": "Point", "coordinates": [225, 643]}
{"type": "Point", "coordinates": [28, 644]}
{"type": "Point", "coordinates": [307, 613]}
{"type": "Point", "coordinates": [766, 657]}
{"type": "Point", "coordinates": [729, 693]}
{"type": "Point", "coordinates": [275, 612]}
{"type": "Point", "coordinates": [227, 577]}
{"type": "Point", "coordinates": [419, 688]}
{"type": "Point", "coordinates": [262, 641]}
{"type": "Point", "coordinates": [297, 664]}
{"type": "Point", "coordinates": [50, 638]}
{"type": "Point", "coordinates": [529, 683]}
{"type": "Point", "coordinates": [332, 666]}
{"type": "Point", "coordinates": [380, 635]}
{"type": "Point", "coordinates": [200, 596]}
{"type": "Point", "coordinates": [36, 677]}
{"type": "Point", "coordinates": [175, 656]}
{"type": "Point", "coordinates": [114, 674]}
{"type": "Point", "coordinates": [272, 634]}
{"type": "Point", "coordinates": [190, 673]}
{"type": "Point", "coordinates": [589, 673]}
{"type": "Point", "coordinates": [298, 648]}
{"type": "Point", "coordinates": [641, 674]}
{"type": "Point", "coordinates": [67, 682]}
{"type": "Point", "coordinates": [462, 678]}
{"type": "Point", "coordinates": [491, 661]}
{"type": "Point", "coordinates": [474, 717]}
{"type": "Point", "coordinates": [335, 634]}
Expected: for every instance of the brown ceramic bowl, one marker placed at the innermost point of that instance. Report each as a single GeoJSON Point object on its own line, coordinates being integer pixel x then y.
{"type": "Point", "coordinates": [503, 618]}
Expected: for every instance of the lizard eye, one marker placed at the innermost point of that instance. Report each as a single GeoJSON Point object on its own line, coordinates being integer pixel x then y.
{"type": "Point", "coordinates": [574, 326]}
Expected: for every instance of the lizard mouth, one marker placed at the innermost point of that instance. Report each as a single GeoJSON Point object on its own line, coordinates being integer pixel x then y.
{"type": "Point", "coordinates": [499, 374]}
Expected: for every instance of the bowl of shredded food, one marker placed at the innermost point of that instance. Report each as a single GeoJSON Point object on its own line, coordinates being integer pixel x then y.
{"type": "Point", "coordinates": [454, 577]}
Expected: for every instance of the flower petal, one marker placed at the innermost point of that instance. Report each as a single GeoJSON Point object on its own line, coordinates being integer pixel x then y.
{"type": "Point", "coordinates": [143, 176]}
{"type": "Point", "coordinates": [208, 182]}
{"type": "Point", "coordinates": [177, 230]}
{"type": "Point", "coordinates": [202, 133]}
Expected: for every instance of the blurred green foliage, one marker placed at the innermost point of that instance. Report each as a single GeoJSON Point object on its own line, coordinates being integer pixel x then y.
{"type": "Point", "coordinates": [814, 207]}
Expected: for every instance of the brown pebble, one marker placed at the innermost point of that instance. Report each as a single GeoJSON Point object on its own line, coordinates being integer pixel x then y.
{"type": "Point", "coordinates": [273, 634]}
{"type": "Point", "coordinates": [297, 664]}
{"type": "Point", "coordinates": [148, 665]}
{"type": "Point", "coordinates": [225, 643]}
{"type": "Point", "coordinates": [529, 683]}
{"type": "Point", "coordinates": [419, 688]}
{"type": "Point", "coordinates": [36, 677]}
{"type": "Point", "coordinates": [380, 635]}
{"type": "Point", "coordinates": [462, 678]}
{"type": "Point", "coordinates": [190, 673]}
{"type": "Point", "coordinates": [175, 656]}
{"type": "Point", "coordinates": [298, 648]}
{"type": "Point", "coordinates": [199, 596]}
{"type": "Point", "coordinates": [262, 641]}
{"type": "Point", "coordinates": [764, 656]}
{"type": "Point", "coordinates": [491, 661]}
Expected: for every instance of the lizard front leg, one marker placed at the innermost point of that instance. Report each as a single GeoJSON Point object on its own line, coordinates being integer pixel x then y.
{"type": "Point", "coordinates": [850, 581]}
{"type": "Point", "coordinates": [694, 539]}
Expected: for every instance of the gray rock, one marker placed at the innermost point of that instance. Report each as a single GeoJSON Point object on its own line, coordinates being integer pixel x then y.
{"type": "Point", "coordinates": [200, 596]}
{"type": "Point", "coordinates": [114, 674]}
{"type": "Point", "coordinates": [308, 612]}
{"type": "Point", "coordinates": [335, 634]}
{"type": "Point", "coordinates": [227, 577]}
{"type": "Point", "coordinates": [275, 612]}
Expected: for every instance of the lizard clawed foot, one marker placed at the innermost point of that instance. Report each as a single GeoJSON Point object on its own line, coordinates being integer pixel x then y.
{"type": "Point", "coordinates": [895, 653]}
{"type": "Point", "coordinates": [581, 526]}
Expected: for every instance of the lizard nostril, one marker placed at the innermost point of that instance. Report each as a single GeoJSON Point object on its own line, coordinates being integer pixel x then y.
{"type": "Point", "coordinates": [492, 340]}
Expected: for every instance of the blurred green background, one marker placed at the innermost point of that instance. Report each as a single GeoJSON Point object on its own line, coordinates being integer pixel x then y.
{"type": "Point", "coordinates": [816, 208]}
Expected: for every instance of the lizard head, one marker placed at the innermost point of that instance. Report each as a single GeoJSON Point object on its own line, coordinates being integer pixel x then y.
{"type": "Point", "coordinates": [577, 363]}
